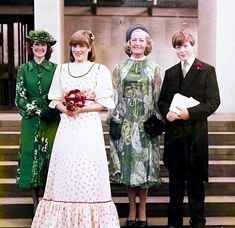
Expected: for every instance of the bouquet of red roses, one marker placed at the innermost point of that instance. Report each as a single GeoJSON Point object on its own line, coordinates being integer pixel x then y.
{"type": "Point", "coordinates": [74, 99]}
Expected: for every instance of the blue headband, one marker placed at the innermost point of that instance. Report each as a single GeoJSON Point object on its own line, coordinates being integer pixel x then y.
{"type": "Point", "coordinates": [135, 27]}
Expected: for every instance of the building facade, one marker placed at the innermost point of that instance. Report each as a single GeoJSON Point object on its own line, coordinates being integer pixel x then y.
{"type": "Point", "coordinates": [209, 20]}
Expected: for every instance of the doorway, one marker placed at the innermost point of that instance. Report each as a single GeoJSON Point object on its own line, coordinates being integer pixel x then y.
{"type": "Point", "coordinates": [13, 30]}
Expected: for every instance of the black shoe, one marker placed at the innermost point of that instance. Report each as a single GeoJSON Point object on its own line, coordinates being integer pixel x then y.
{"type": "Point", "coordinates": [142, 224]}
{"type": "Point", "coordinates": [130, 223]}
{"type": "Point", "coordinates": [197, 224]}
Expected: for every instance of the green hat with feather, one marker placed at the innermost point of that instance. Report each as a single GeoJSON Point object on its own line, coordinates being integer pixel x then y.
{"type": "Point", "coordinates": [40, 36]}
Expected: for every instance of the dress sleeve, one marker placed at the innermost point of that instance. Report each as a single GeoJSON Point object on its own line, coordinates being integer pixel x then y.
{"type": "Point", "coordinates": [56, 93]}
{"type": "Point", "coordinates": [157, 83]}
{"type": "Point", "coordinates": [104, 89]}
{"type": "Point", "coordinates": [26, 108]}
{"type": "Point", "coordinates": [116, 83]}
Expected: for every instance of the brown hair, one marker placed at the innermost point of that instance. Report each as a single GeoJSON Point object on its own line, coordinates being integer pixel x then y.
{"type": "Point", "coordinates": [30, 51]}
{"type": "Point", "coordinates": [181, 37]}
{"type": "Point", "coordinates": [148, 48]}
{"type": "Point", "coordinates": [83, 37]}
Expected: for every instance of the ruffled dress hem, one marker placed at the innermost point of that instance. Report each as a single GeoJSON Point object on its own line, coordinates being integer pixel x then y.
{"type": "Point", "coordinates": [54, 214]}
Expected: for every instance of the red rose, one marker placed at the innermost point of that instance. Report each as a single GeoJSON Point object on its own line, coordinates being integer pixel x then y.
{"type": "Point", "coordinates": [74, 99]}
{"type": "Point", "coordinates": [200, 66]}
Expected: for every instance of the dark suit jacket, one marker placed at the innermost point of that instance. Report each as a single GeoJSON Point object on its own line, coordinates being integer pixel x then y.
{"type": "Point", "coordinates": [201, 84]}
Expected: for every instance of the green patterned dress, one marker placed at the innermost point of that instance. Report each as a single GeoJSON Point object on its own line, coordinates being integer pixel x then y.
{"type": "Point", "coordinates": [39, 122]}
{"type": "Point", "coordinates": [135, 157]}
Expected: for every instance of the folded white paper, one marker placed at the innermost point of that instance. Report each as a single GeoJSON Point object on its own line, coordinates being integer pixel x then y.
{"type": "Point", "coordinates": [181, 101]}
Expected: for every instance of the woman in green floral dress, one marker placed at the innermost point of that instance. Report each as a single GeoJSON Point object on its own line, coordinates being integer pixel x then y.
{"type": "Point", "coordinates": [135, 156]}
{"type": "Point", "coordinates": [39, 122]}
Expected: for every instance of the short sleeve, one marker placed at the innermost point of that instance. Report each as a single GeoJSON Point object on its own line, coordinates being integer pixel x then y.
{"type": "Point", "coordinates": [56, 93]}
{"type": "Point", "coordinates": [104, 88]}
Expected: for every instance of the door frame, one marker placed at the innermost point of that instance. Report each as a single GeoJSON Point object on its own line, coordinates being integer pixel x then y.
{"type": "Point", "coordinates": [13, 30]}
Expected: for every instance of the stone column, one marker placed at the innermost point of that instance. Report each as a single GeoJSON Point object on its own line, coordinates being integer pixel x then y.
{"type": "Point", "coordinates": [216, 32]}
{"type": "Point", "coordinates": [49, 16]}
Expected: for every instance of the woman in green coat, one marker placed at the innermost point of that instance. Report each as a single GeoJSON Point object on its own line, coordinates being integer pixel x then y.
{"type": "Point", "coordinates": [39, 122]}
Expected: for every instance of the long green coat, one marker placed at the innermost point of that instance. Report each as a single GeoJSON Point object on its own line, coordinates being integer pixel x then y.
{"type": "Point", "coordinates": [39, 122]}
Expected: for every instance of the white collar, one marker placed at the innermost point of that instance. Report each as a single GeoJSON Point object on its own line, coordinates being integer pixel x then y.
{"type": "Point", "coordinates": [139, 59]}
{"type": "Point", "coordinates": [190, 61]}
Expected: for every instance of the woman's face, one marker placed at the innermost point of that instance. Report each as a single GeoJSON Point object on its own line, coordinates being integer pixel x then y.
{"type": "Point", "coordinates": [138, 43]}
{"type": "Point", "coordinates": [39, 50]}
{"type": "Point", "coordinates": [80, 52]}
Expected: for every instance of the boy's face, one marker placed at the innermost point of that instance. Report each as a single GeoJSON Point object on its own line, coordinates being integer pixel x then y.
{"type": "Point", "coordinates": [185, 51]}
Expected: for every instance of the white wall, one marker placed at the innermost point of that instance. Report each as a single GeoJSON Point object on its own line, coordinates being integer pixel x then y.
{"type": "Point", "coordinates": [225, 50]}
{"type": "Point", "coordinates": [48, 15]}
{"type": "Point", "coordinates": [216, 32]}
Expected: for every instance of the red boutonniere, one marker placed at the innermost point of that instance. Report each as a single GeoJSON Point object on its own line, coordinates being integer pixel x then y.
{"type": "Point", "coordinates": [74, 99]}
{"type": "Point", "coordinates": [200, 66]}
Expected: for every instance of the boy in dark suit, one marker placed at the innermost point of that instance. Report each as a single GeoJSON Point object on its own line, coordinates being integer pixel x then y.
{"type": "Point", "coordinates": [186, 135]}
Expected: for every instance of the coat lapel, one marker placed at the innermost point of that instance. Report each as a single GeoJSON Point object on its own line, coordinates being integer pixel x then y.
{"type": "Point", "coordinates": [190, 77]}
{"type": "Point", "coordinates": [178, 76]}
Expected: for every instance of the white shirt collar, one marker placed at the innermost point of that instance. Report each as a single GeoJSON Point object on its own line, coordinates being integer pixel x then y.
{"type": "Point", "coordinates": [140, 59]}
{"type": "Point", "coordinates": [190, 61]}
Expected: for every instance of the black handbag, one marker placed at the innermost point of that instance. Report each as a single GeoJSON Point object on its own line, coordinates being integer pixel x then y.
{"type": "Point", "coordinates": [154, 125]}
{"type": "Point", "coordinates": [115, 129]}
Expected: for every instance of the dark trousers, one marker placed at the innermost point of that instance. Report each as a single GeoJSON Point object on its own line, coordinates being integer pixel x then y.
{"type": "Point", "coordinates": [181, 176]}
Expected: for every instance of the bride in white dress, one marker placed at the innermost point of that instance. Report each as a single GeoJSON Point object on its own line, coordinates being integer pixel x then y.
{"type": "Point", "coordinates": [77, 192]}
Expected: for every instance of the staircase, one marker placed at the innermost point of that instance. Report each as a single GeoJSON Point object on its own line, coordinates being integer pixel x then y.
{"type": "Point", "coordinates": [16, 205]}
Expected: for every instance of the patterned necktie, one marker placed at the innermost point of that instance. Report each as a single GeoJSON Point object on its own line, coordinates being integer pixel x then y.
{"type": "Point", "coordinates": [184, 69]}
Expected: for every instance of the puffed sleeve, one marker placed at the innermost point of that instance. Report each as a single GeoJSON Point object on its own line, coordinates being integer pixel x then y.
{"type": "Point", "coordinates": [56, 93]}
{"type": "Point", "coordinates": [104, 89]}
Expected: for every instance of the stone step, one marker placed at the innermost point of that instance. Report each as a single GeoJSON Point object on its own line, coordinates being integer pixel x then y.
{"type": "Point", "coordinates": [216, 169]}
{"type": "Point", "coordinates": [157, 206]}
{"type": "Point", "coordinates": [221, 126]}
{"type": "Point", "coordinates": [213, 126]}
{"type": "Point", "coordinates": [11, 121]}
{"type": "Point", "coordinates": [16, 223]}
{"type": "Point", "coordinates": [216, 152]}
{"type": "Point", "coordinates": [158, 222]}
{"type": "Point", "coordinates": [215, 187]}
{"type": "Point", "coordinates": [9, 137]}
{"type": "Point", "coordinates": [215, 138]}
{"type": "Point", "coordinates": [9, 152]}
{"type": "Point", "coordinates": [221, 152]}
{"type": "Point", "coordinates": [212, 222]}
{"type": "Point", "coordinates": [22, 207]}
{"type": "Point", "coordinates": [16, 204]}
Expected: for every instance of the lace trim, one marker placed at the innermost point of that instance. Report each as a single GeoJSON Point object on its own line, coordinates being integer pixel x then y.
{"type": "Point", "coordinates": [88, 202]}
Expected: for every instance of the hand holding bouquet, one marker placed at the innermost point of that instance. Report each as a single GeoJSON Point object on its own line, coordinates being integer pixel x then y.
{"type": "Point", "coordinates": [74, 99]}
